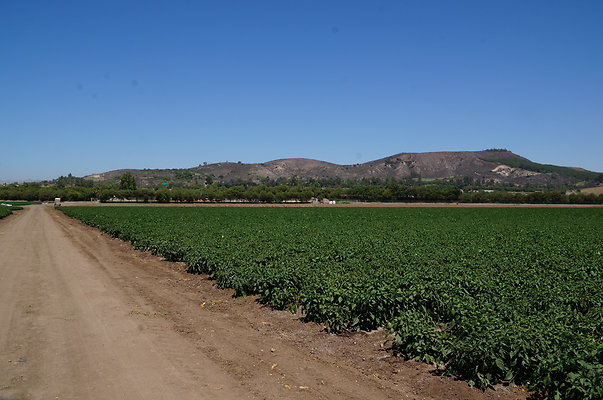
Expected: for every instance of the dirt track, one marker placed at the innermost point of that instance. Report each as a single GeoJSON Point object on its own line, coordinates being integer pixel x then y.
{"type": "Point", "coordinates": [83, 316]}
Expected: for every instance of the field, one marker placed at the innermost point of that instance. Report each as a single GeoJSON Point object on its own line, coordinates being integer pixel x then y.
{"type": "Point", "coordinates": [490, 295]}
{"type": "Point", "coordinates": [8, 210]}
{"type": "Point", "coordinates": [5, 211]}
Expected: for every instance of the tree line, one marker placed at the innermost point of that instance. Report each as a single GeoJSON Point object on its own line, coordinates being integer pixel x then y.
{"type": "Point", "coordinates": [391, 192]}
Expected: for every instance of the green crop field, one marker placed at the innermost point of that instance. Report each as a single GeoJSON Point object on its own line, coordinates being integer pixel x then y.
{"type": "Point", "coordinates": [8, 210]}
{"type": "Point", "coordinates": [491, 294]}
{"type": "Point", "coordinates": [4, 211]}
{"type": "Point", "coordinates": [23, 203]}
{"type": "Point", "coordinates": [10, 206]}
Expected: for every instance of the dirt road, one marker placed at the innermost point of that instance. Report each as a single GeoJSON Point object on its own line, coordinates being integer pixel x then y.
{"type": "Point", "coordinates": [83, 316]}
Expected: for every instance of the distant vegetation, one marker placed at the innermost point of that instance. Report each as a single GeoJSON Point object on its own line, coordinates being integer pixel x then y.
{"type": "Point", "coordinates": [127, 182]}
{"type": "Point", "coordinates": [390, 192]}
{"type": "Point", "coordinates": [70, 180]}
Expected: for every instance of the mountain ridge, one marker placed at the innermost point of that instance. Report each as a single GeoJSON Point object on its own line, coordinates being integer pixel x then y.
{"type": "Point", "coordinates": [498, 166]}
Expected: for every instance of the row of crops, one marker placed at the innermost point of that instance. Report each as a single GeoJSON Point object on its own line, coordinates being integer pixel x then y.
{"type": "Point", "coordinates": [7, 209]}
{"type": "Point", "coordinates": [494, 295]}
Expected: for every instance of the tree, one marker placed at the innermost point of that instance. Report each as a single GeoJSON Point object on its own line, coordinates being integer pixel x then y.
{"type": "Point", "coordinates": [127, 182]}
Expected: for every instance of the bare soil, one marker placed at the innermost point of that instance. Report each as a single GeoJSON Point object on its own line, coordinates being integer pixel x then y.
{"type": "Point", "coordinates": [594, 190]}
{"type": "Point", "coordinates": [84, 316]}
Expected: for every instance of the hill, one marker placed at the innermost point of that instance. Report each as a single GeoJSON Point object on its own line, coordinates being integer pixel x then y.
{"type": "Point", "coordinates": [496, 166]}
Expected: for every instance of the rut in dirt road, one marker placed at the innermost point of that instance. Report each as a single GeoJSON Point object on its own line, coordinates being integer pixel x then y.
{"type": "Point", "coordinates": [83, 316]}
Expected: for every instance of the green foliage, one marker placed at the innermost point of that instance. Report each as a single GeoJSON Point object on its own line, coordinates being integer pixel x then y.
{"type": "Point", "coordinates": [127, 182]}
{"type": "Point", "coordinates": [493, 294]}
{"type": "Point", "coordinates": [184, 174]}
{"type": "Point", "coordinates": [70, 180]}
{"type": "Point", "coordinates": [5, 211]}
{"type": "Point", "coordinates": [390, 192]}
{"type": "Point", "coordinates": [531, 198]}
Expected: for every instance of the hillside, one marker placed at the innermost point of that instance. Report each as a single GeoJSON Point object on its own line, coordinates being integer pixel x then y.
{"type": "Point", "coordinates": [498, 166]}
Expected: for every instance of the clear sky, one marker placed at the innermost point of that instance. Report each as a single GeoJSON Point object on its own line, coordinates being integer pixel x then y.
{"type": "Point", "coordinates": [91, 86]}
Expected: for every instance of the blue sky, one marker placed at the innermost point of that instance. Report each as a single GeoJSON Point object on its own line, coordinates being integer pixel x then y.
{"type": "Point", "coordinates": [91, 86]}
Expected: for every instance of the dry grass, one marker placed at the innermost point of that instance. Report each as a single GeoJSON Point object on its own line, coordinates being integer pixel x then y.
{"type": "Point", "coordinates": [594, 190]}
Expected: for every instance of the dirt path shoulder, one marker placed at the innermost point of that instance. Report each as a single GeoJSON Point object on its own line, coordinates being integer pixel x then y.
{"type": "Point", "coordinates": [84, 316]}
